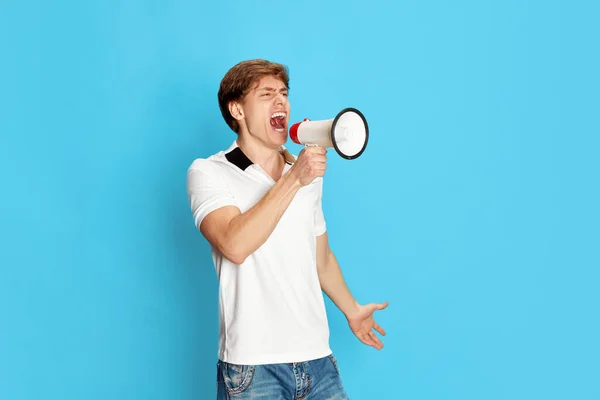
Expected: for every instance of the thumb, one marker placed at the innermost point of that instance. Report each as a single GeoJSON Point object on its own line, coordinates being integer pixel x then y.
{"type": "Point", "coordinates": [372, 307]}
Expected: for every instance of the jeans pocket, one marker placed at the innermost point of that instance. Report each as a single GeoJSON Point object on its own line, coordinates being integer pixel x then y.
{"type": "Point", "coordinates": [334, 362]}
{"type": "Point", "coordinates": [237, 378]}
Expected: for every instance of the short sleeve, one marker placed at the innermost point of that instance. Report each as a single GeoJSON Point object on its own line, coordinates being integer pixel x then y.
{"type": "Point", "coordinates": [320, 225]}
{"type": "Point", "coordinates": [206, 192]}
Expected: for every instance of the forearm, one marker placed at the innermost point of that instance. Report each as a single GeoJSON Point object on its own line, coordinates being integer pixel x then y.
{"type": "Point", "coordinates": [333, 284]}
{"type": "Point", "coordinates": [250, 230]}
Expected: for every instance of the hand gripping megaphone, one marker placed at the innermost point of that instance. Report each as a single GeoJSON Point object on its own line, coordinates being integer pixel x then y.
{"type": "Point", "coordinates": [348, 133]}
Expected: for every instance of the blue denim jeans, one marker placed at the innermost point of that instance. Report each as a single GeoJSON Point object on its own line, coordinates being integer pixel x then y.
{"type": "Point", "coordinates": [311, 380]}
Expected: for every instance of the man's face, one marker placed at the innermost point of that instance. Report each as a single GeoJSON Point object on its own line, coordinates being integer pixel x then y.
{"type": "Point", "coordinates": [266, 111]}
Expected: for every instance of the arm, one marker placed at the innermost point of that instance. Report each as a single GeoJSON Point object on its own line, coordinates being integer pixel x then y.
{"type": "Point", "coordinates": [331, 278]}
{"type": "Point", "coordinates": [360, 318]}
{"type": "Point", "coordinates": [237, 235]}
{"type": "Point", "coordinates": [234, 234]}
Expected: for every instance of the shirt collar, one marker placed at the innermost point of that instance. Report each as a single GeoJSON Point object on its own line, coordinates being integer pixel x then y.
{"type": "Point", "coordinates": [237, 157]}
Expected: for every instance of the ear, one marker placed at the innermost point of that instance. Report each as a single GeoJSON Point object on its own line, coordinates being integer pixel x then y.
{"type": "Point", "coordinates": [236, 110]}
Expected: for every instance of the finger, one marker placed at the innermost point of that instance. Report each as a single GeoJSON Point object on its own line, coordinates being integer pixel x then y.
{"type": "Point", "coordinates": [375, 339]}
{"type": "Point", "coordinates": [379, 329]}
{"type": "Point", "coordinates": [369, 340]}
{"type": "Point", "coordinates": [316, 150]}
{"type": "Point", "coordinates": [366, 339]}
{"type": "Point", "coordinates": [380, 306]}
{"type": "Point", "coordinates": [317, 158]}
{"type": "Point", "coordinates": [319, 173]}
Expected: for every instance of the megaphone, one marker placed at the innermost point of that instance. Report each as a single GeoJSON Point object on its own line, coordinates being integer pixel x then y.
{"type": "Point", "coordinates": [348, 133]}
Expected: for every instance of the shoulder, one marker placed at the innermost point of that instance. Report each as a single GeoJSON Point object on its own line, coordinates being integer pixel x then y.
{"type": "Point", "coordinates": [207, 171]}
{"type": "Point", "coordinates": [208, 164]}
{"type": "Point", "coordinates": [201, 165]}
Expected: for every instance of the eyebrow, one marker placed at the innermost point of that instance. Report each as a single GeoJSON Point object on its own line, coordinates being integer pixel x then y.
{"type": "Point", "coordinates": [270, 89]}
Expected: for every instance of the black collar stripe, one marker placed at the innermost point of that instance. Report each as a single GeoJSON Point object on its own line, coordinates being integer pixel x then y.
{"type": "Point", "coordinates": [238, 158]}
{"type": "Point", "coordinates": [241, 160]}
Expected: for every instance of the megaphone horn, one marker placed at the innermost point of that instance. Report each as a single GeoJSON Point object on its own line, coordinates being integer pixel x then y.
{"type": "Point", "coordinates": [348, 133]}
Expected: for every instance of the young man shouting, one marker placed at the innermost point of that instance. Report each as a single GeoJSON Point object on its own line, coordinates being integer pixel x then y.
{"type": "Point", "coordinates": [260, 209]}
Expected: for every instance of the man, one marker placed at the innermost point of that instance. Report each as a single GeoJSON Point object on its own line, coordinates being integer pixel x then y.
{"type": "Point", "coordinates": [260, 209]}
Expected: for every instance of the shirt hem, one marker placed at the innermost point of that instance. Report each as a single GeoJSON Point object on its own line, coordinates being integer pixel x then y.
{"type": "Point", "coordinates": [276, 358]}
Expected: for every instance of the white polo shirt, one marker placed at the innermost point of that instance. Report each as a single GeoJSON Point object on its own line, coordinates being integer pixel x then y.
{"type": "Point", "coordinates": [271, 307]}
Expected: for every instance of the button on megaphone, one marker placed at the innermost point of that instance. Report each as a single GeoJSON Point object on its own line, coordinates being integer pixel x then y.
{"type": "Point", "coordinates": [348, 133]}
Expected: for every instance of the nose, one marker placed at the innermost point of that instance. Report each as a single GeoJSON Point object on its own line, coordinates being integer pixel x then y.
{"type": "Point", "coordinates": [280, 99]}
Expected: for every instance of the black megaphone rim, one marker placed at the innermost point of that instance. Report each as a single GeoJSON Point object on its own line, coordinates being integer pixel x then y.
{"type": "Point", "coordinates": [335, 145]}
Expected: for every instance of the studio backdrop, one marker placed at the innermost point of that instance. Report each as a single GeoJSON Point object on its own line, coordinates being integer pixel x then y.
{"type": "Point", "coordinates": [473, 209]}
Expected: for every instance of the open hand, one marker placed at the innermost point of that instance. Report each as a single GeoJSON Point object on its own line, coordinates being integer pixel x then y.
{"type": "Point", "coordinates": [361, 323]}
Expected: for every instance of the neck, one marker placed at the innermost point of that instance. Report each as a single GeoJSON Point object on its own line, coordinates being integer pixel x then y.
{"type": "Point", "coordinates": [268, 158]}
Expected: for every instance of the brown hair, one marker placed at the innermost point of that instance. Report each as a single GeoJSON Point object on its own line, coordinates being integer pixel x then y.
{"type": "Point", "coordinates": [239, 80]}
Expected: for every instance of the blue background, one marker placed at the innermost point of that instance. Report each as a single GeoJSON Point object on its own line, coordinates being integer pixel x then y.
{"type": "Point", "coordinates": [474, 210]}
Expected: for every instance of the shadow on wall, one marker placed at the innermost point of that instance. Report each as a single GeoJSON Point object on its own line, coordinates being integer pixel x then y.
{"type": "Point", "coordinates": [195, 129]}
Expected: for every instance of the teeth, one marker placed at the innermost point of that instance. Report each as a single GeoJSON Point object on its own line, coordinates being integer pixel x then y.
{"type": "Point", "coordinates": [278, 114]}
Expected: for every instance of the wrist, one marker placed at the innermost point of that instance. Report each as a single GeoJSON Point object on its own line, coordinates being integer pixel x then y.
{"type": "Point", "coordinates": [292, 181]}
{"type": "Point", "coordinates": [352, 310]}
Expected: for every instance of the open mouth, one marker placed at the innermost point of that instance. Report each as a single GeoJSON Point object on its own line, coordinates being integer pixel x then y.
{"type": "Point", "coordinates": [278, 121]}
